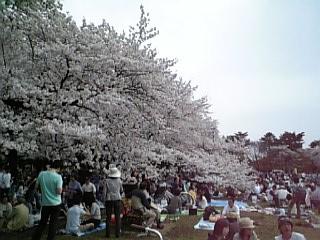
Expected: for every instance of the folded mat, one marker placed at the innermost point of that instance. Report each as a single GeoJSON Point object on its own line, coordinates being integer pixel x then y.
{"type": "Point", "coordinates": [204, 225]}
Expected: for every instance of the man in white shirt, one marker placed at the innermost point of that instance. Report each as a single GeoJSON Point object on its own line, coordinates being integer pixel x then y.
{"type": "Point", "coordinates": [285, 227]}
{"type": "Point", "coordinates": [74, 215]}
{"type": "Point", "coordinates": [257, 189]}
{"type": "Point", "coordinates": [231, 207]}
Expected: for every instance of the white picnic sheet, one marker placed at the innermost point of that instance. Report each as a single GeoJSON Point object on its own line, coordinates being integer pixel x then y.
{"type": "Point", "coordinates": [204, 225]}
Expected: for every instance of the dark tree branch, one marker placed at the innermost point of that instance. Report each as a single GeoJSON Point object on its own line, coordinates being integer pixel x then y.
{"type": "Point", "coordinates": [67, 73]}
{"type": "Point", "coordinates": [32, 48]}
{"type": "Point", "coordinates": [75, 103]}
{"type": "Point", "coordinates": [4, 58]}
{"type": "Point", "coordinates": [43, 34]}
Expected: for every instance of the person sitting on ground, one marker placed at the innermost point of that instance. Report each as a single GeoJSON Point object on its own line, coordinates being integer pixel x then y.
{"type": "Point", "coordinates": [5, 210]}
{"type": "Point", "coordinates": [220, 231]}
{"type": "Point", "coordinates": [140, 203]}
{"type": "Point", "coordinates": [275, 197]}
{"type": "Point", "coordinates": [193, 192]}
{"type": "Point", "coordinates": [175, 204]}
{"type": "Point", "coordinates": [5, 207]}
{"type": "Point", "coordinates": [285, 227]}
{"type": "Point", "coordinates": [257, 189]}
{"type": "Point", "coordinates": [5, 181]}
{"type": "Point", "coordinates": [202, 201]}
{"type": "Point", "coordinates": [162, 195]}
{"type": "Point", "coordinates": [74, 215]}
{"type": "Point", "coordinates": [20, 191]}
{"type": "Point", "coordinates": [211, 214]}
{"type": "Point", "coordinates": [231, 207]}
{"type": "Point", "coordinates": [19, 216]}
{"type": "Point", "coordinates": [234, 226]}
{"type": "Point", "coordinates": [207, 194]}
{"type": "Point", "coordinates": [246, 230]}
{"type": "Point", "coordinates": [231, 192]}
{"type": "Point", "coordinates": [95, 213]}
{"type": "Point", "coordinates": [177, 185]}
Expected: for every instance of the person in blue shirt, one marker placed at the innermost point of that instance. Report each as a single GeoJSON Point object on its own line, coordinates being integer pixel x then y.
{"type": "Point", "coordinates": [50, 184]}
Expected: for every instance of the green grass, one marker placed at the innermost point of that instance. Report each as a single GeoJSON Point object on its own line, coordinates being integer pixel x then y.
{"type": "Point", "coordinates": [266, 229]}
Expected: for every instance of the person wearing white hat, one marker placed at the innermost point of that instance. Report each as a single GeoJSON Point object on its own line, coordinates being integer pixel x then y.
{"type": "Point", "coordinates": [114, 190]}
{"type": "Point", "coordinates": [246, 230]}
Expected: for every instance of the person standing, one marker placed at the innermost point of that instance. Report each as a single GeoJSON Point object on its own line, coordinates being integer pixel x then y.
{"type": "Point", "coordinates": [114, 190]}
{"type": "Point", "coordinates": [50, 183]}
{"type": "Point", "coordinates": [298, 197]}
{"type": "Point", "coordinates": [89, 192]}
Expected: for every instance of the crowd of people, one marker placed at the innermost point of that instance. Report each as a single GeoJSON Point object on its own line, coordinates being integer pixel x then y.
{"type": "Point", "coordinates": [80, 197]}
{"type": "Point", "coordinates": [288, 190]}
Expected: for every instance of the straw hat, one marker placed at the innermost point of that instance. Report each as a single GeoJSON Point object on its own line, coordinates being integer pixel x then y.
{"type": "Point", "coordinates": [246, 223]}
{"type": "Point", "coordinates": [113, 171]}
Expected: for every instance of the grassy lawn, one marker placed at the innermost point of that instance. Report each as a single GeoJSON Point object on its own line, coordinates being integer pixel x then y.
{"type": "Point", "coordinates": [183, 230]}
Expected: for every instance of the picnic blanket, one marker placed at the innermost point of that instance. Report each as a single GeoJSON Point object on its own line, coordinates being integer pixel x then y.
{"type": "Point", "coordinates": [101, 227]}
{"type": "Point", "coordinates": [204, 225]}
{"type": "Point", "coordinates": [222, 203]}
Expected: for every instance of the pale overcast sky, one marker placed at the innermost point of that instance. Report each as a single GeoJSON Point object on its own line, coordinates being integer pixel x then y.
{"type": "Point", "coordinates": [257, 61]}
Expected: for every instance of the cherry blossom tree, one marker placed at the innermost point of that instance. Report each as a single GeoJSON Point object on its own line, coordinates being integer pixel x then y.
{"type": "Point", "coordinates": [89, 95]}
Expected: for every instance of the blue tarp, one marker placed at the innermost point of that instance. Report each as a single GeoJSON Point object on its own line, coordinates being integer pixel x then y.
{"type": "Point", "coordinates": [101, 227]}
{"type": "Point", "coordinates": [222, 203]}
